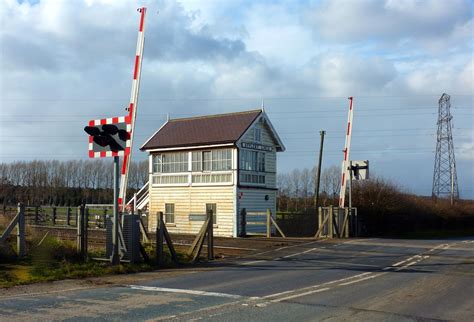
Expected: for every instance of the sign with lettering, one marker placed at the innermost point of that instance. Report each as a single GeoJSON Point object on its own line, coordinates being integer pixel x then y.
{"type": "Point", "coordinates": [197, 217]}
{"type": "Point", "coordinates": [256, 146]}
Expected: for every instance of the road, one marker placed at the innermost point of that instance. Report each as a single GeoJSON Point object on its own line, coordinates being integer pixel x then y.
{"type": "Point", "coordinates": [356, 279]}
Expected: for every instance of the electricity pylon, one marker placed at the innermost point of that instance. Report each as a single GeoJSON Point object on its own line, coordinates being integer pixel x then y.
{"type": "Point", "coordinates": [445, 181]}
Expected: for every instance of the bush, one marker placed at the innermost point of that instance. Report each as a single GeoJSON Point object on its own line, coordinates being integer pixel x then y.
{"type": "Point", "coordinates": [385, 210]}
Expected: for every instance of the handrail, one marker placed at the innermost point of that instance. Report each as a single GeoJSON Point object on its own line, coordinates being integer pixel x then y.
{"type": "Point", "coordinates": [143, 190]}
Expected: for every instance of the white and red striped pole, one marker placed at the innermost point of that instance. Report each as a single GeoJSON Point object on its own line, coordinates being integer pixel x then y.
{"type": "Point", "coordinates": [132, 109]}
{"type": "Point", "coordinates": [347, 148]}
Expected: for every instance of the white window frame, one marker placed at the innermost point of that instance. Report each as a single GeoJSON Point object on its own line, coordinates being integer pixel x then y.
{"type": "Point", "coordinates": [166, 213]}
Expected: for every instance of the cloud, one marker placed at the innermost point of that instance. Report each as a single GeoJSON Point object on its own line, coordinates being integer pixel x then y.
{"type": "Point", "coordinates": [409, 24]}
{"type": "Point", "coordinates": [344, 74]}
{"type": "Point", "coordinates": [65, 62]}
{"type": "Point", "coordinates": [79, 35]}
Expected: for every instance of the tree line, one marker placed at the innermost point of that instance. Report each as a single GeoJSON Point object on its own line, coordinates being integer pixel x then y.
{"type": "Point", "coordinates": [297, 188]}
{"type": "Point", "coordinates": [64, 183]}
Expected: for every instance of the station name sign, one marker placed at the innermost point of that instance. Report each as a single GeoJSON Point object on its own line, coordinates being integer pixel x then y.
{"type": "Point", "coordinates": [256, 146]}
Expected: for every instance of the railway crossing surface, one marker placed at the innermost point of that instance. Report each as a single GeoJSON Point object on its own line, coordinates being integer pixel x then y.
{"type": "Point", "coordinates": [357, 279]}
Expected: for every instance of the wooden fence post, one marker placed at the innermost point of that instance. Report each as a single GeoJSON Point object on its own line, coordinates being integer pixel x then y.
{"type": "Point", "coordinates": [210, 236]}
{"type": "Point", "coordinates": [68, 216]}
{"type": "Point", "coordinates": [345, 226]}
{"type": "Point", "coordinates": [54, 215]}
{"type": "Point", "coordinates": [320, 219]}
{"type": "Point", "coordinates": [269, 223]}
{"type": "Point", "coordinates": [159, 239]}
{"type": "Point", "coordinates": [243, 222]}
{"type": "Point", "coordinates": [78, 215]}
{"type": "Point", "coordinates": [104, 216]}
{"type": "Point", "coordinates": [36, 214]}
{"type": "Point", "coordinates": [80, 229]}
{"type": "Point", "coordinates": [21, 230]}
{"type": "Point", "coordinates": [85, 231]}
{"type": "Point", "coordinates": [331, 222]}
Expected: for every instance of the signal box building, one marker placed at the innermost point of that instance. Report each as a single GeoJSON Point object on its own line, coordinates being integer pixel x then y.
{"type": "Point", "coordinates": [223, 162]}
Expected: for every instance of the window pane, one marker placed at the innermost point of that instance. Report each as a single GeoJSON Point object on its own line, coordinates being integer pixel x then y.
{"type": "Point", "coordinates": [169, 213]}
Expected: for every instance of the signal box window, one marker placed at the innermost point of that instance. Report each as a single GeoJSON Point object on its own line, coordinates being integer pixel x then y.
{"type": "Point", "coordinates": [257, 135]}
{"type": "Point", "coordinates": [169, 213]}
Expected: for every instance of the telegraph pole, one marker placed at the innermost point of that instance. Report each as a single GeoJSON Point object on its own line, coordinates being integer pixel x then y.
{"type": "Point", "coordinates": [318, 177]}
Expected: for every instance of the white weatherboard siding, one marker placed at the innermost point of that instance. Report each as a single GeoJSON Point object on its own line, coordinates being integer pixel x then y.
{"type": "Point", "coordinates": [193, 200]}
{"type": "Point", "coordinates": [253, 200]}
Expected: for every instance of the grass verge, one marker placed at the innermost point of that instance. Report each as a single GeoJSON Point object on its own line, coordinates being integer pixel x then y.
{"type": "Point", "coordinates": [56, 260]}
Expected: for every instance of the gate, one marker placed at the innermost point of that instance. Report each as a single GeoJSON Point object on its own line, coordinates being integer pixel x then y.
{"type": "Point", "coordinates": [258, 223]}
{"type": "Point", "coordinates": [336, 222]}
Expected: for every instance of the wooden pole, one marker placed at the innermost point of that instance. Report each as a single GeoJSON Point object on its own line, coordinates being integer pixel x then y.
{"type": "Point", "coordinates": [68, 216]}
{"type": "Point", "coordinates": [54, 215]}
{"type": "Point", "coordinates": [80, 227]}
{"type": "Point", "coordinates": [21, 230]}
{"type": "Point", "coordinates": [243, 222]}
{"type": "Point", "coordinates": [269, 224]}
{"type": "Point", "coordinates": [159, 239]}
{"type": "Point", "coordinates": [331, 222]}
{"type": "Point", "coordinates": [210, 236]}
{"type": "Point", "coordinates": [36, 214]}
{"type": "Point", "coordinates": [320, 162]}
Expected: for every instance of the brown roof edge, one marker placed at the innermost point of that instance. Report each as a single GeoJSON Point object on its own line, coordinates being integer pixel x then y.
{"type": "Point", "coordinates": [202, 130]}
{"type": "Point", "coordinates": [214, 115]}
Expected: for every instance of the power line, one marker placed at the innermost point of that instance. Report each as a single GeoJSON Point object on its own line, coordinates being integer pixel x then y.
{"type": "Point", "coordinates": [267, 98]}
{"type": "Point", "coordinates": [378, 109]}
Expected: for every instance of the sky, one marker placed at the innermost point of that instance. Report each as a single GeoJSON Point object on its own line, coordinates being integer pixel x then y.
{"type": "Point", "coordinates": [63, 63]}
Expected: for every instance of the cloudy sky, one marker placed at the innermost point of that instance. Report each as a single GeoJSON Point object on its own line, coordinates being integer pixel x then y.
{"type": "Point", "coordinates": [65, 62]}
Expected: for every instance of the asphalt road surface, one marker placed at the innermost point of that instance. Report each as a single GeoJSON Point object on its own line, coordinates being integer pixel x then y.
{"type": "Point", "coordinates": [356, 280]}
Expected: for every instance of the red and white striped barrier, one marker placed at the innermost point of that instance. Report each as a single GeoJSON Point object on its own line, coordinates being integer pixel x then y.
{"type": "Point", "coordinates": [345, 162]}
{"type": "Point", "coordinates": [132, 109]}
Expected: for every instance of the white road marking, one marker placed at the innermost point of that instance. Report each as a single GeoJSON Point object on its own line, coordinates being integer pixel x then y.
{"type": "Point", "coordinates": [300, 253]}
{"type": "Point", "coordinates": [406, 260]}
{"type": "Point", "coordinates": [184, 291]}
{"type": "Point", "coordinates": [299, 295]}
{"type": "Point", "coordinates": [362, 279]}
{"type": "Point", "coordinates": [407, 265]}
{"type": "Point", "coordinates": [316, 285]}
{"type": "Point", "coordinates": [254, 262]}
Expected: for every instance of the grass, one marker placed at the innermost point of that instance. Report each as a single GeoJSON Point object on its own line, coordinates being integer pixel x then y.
{"type": "Point", "coordinates": [56, 260]}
